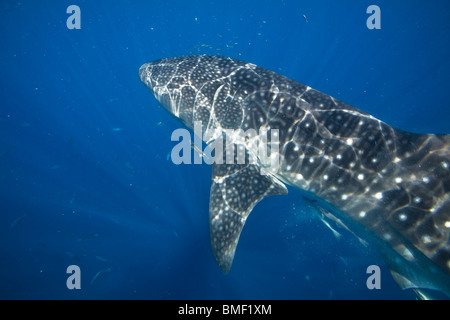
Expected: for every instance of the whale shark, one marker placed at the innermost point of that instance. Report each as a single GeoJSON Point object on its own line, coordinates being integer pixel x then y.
{"type": "Point", "coordinates": [391, 184]}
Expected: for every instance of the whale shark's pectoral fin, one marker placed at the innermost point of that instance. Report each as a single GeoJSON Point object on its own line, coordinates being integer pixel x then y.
{"type": "Point", "coordinates": [235, 190]}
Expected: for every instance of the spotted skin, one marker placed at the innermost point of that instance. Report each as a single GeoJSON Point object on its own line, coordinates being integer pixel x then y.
{"type": "Point", "coordinates": [394, 183]}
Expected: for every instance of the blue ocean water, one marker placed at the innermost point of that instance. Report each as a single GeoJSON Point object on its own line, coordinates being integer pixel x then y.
{"type": "Point", "coordinates": [85, 177]}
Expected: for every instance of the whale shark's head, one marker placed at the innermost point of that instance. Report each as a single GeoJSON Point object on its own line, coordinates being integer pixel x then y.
{"type": "Point", "coordinates": [194, 88]}
{"type": "Point", "coordinates": [188, 87]}
{"type": "Point", "coordinates": [168, 84]}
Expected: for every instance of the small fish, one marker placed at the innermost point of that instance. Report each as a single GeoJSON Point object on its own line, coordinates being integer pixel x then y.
{"type": "Point", "coordinates": [336, 234]}
{"type": "Point", "coordinates": [128, 165]}
{"type": "Point", "coordinates": [306, 19]}
{"type": "Point", "coordinates": [309, 200]}
{"type": "Point", "coordinates": [344, 261]}
{"type": "Point", "coordinates": [73, 197]}
{"type": "Point", "coordinates": [99, 273]}
{"type": "Point", "coordinates": [325, 214]}
{"type": "Point", "coordinates": [339, 222]}
{"type": "Point", "coordinates": [101, 259]}
{"type": "Point", "coordinates": [73, 256]}
{"type": "Point", "coordinates": [200, 152]}
{"type": "Point", "coordinates": [117, 129]}
{"type": "Point", "coordinates": [17, 221]}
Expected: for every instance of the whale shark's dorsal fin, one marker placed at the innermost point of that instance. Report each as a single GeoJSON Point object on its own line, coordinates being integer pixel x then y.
{"type": "Point", "coordinates": [235, 190]}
